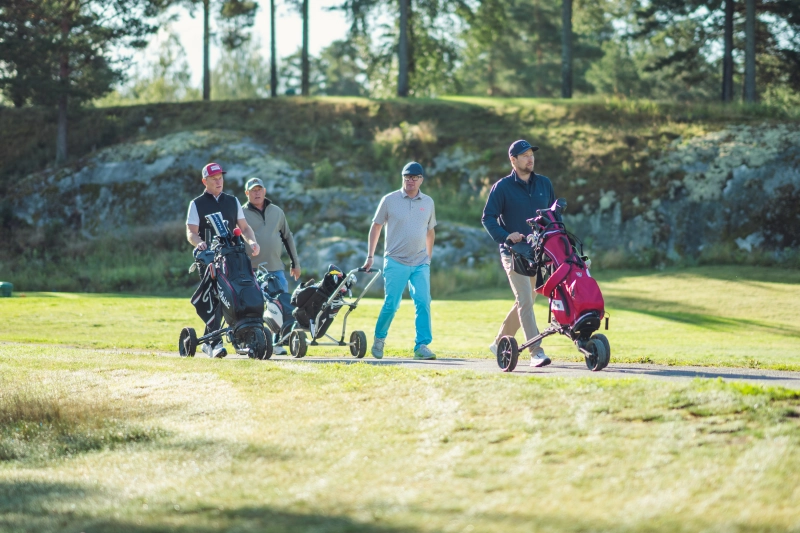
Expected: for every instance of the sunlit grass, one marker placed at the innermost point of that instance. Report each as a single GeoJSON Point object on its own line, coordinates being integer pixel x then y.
{"type": "Point", "coordinates": [729, 316]}
{"type": "Point", "coordinates": [270, 446]}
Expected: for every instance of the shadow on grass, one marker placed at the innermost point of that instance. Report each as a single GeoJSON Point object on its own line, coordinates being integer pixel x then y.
{"type": "Point", "coordinates": [790, 380]}
{"type": "Point", "coordinates": [692, 316]}
{"type": "Point", "coordinates": [34, 506]}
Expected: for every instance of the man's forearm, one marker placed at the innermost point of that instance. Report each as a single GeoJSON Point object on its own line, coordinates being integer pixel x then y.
{"type": "Point", "coordinates": [429, 240]}
{"type": "Point", "coordinates": [374, 235]}
{"type": "Point", "coordinates": [193, 238]}
{"type": "Point", "coordinates": [249, 236]}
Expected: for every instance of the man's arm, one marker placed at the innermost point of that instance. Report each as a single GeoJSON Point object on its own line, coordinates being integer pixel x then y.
{"type": "Point", "coordinates": [288, 242]}
{"type": "Point", "coordinates": [193, 236]}
{"type": "Point", "coordinates": [429, 238]}
{"type": "Point", "coordinates": [491, 212]}
{"type": "Point", "coordinates": [372, 243]}
{"type": "Point", "coordinates": [249, 236]}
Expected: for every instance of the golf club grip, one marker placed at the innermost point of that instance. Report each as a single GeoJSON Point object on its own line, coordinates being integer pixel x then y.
{"type": "Point", "coordinates": [362, 269]}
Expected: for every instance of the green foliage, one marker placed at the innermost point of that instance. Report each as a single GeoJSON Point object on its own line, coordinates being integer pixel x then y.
{"type": "Point", "coordinates": [323, 173]}
{"type": "Point", "coordinates": [166, 79]}
{"type": "Point", "coordinates": [59, 49]}
{"type": "Point", "coordinates": [240, 73]}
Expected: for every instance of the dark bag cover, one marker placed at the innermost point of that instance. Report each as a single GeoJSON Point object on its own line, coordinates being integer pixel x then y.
{"type": "Point", "coordinates": [238, 291]}
{"type": "Point", "coordinates": [309, 298]}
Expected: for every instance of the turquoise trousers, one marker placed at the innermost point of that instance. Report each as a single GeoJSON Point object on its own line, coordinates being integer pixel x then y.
{"type": "Point", "coordinates": [395, 278]}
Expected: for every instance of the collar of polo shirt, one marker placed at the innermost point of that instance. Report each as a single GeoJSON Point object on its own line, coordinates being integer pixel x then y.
{"type": "Point", "coordinates": [417, 197]}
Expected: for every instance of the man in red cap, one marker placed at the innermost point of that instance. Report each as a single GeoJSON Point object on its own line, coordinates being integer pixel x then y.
{"type": "Point", "coordinates": [213, 200]}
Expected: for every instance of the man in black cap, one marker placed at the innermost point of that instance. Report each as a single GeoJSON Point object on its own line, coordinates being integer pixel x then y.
{"type": "Point", "coordinates": [513, 200]}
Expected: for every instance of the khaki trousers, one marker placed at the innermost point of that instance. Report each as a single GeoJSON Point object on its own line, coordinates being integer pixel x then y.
{"type": "Point", "coordinates": [522, 310]}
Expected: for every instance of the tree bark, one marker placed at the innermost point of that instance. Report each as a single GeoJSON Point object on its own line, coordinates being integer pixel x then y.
{"type": "Point", "coordinates": [750, 51]}
{"type": "Point", "coordinates": [273, 69]}
{"type": "Point", "coordinates": [206, 52]}
{"type": "Point", "coordinates": [727, 57]}
{"type": "Point", "coordinates": [402, 51]}
{"type": "Point", "coordinates": [63, 98]}
{"type": "Point", "coordinates": [566, 49]}
{"type": "Point", "coordinates": [305, 76]}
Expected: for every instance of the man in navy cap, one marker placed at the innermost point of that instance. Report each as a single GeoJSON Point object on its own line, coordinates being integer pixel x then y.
{"type": "Point", "coordinates": [513, 200]}
{"type": "Point", "coordinates": [409, 217]}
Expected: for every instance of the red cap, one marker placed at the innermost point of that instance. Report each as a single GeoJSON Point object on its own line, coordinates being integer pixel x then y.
{"type": "Point", "coordinates": [212, 169]}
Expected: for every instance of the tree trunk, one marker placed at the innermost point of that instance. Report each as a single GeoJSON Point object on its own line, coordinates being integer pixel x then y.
{"type": "Point", "coordinates": [402, 51]}
{"type": "Point", "coordinates": [63, 79]}
{"type": "Point", "coordinates": [206, 51]}
{"type": "Point", "coordinates": [273, 69]}
{"type": "Point", "coordinates": [750, 51]}
{"type": "Point", "coordinates": [305, 82]}
{"type": "Point", "coordinates": [566, 49]}
{"type": "Point", "coordinates": [727, 57]}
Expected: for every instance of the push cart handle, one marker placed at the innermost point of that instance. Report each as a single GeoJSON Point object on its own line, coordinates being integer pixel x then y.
{"type": "Point", "coordinates": [362, 269]}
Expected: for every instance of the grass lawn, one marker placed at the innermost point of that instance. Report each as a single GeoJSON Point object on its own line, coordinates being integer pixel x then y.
{"type": "Point", "coordinates": [95, 441]}
{"type": "Point", "coordinates": [724, 316]}
{"type": "Point", "coordinates": [123, 439]}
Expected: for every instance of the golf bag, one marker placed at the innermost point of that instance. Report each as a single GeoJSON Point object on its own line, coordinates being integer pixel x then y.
{"type": "Point", "coordinates": [278, 313]}
{"type": "Point", "coordinates": [554, 257]}
{"type": "Point", "coordinates": [229, 285]}
{"type": "Point", "coordinates": [310, 298]}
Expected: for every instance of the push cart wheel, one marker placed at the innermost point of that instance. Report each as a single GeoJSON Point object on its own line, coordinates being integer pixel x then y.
{"type": "Point", "coordinates": [187, 342]}
{"type": "Point", "coordinates": [607, 359]}
{"type": "Point", "coordinates": [298, 344]}
{"type": "Point", "coordinates": [267, 353]}
{"type": "Point", "coordinates": [358, 344]}
{"type": "Point", "coordinates": [507, 354]}
{"type": "Point", "coordinates": [597, 357]}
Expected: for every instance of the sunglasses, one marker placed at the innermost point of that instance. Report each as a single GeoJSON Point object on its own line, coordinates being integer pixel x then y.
{"type": "Point", "coordinates": [412, 178]}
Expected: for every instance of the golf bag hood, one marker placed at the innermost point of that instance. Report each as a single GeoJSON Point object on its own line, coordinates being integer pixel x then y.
{"type": "Point", "coordinates": [310, 298]}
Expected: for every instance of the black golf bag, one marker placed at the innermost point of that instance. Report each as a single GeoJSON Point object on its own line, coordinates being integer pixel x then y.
{"type": "Point", "coordinates": [229, 288]}
{"type": "Point", "coordinates": [310, 298]}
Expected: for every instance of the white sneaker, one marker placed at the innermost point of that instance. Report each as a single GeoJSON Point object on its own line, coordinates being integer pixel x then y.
{"type": "Point", "coordinates": [493, 349]}
{"type": "Point", "coordinates": [208, 350]}
{"type": "Point", "coordinates": [377, 348]}
{"type": "Point", "coordinates": [538, 358]}
{"type": "Point", "coordinates": [278, 350]}
{"type": "Point", "coordinates": [219, 350]}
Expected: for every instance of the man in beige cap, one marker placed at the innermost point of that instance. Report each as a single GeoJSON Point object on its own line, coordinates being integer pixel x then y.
{"type": "Point", "coordinates": [272, 232]}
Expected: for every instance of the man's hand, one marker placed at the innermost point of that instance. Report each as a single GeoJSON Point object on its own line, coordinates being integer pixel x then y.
{"type": "Point", "coordinates": [367, 264]}
{"type": "Point", "coordinates": [202, 246]}
{"type": "Point", "coordinates": [255, 248]}
{"type": "Point", "coordinates": [295, 273]}
{"type": "Point", "coordinates": [515, 237]}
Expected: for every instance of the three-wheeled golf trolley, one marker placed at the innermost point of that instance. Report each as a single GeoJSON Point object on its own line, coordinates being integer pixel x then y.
{"type": "Point", "coordinates": [228, 282]}
{"type": "Point", "coordinates": [315, 307]}
{"type": "Point", "coordinates": [554, 257]}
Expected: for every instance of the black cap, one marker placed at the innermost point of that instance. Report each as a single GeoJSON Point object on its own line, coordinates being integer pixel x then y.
{"type": "Point", "coordinates": [517, 147]}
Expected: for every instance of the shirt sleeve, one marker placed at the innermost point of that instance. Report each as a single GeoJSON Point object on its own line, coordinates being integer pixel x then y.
{"type": "Point", "coordinates": [192, 217]}
{"type": "Point", "coordinates": [432, 219]}
{"type": "Point", "coordinates": [491, 212]}
{"type": "Point", "coordinates": [288, 242]}
{"type": "Point", "coordinates": [239, 210]}
{"type": "Point", "coordinates": [382, 213]}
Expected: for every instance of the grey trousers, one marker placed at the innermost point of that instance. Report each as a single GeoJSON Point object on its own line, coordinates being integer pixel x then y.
{"type": "Point", "coordinates": [521, 312]}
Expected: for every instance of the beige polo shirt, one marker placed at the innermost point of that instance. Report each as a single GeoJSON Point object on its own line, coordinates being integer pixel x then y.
{"type": "Point", "coordinates": [407, 222]}
{"type": "Point", "coordinates": [272, 235]}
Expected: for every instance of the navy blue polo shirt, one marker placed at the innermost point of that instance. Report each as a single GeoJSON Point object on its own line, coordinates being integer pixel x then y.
{"type": "Point", "coordinates": [511, 202]}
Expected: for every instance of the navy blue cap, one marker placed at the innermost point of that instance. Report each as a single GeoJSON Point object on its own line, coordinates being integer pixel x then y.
{"type": "Point", "coordinates": [517, 147]}
{"type": "Point", "coordinates": [413, 169]}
